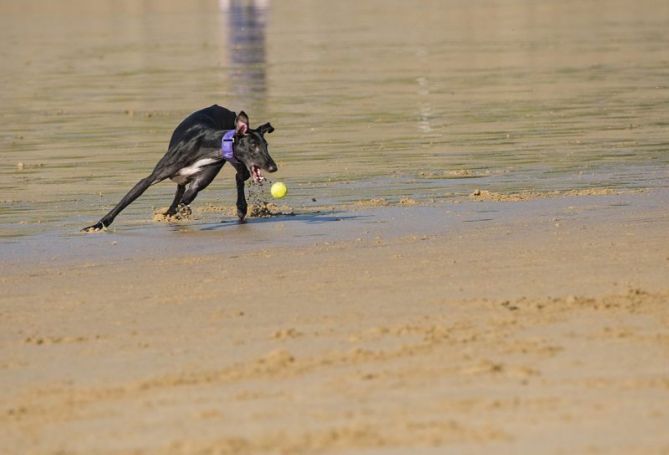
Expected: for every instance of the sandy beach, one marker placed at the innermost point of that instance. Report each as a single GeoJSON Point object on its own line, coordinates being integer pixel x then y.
{"type": "Point", "coordinates": [513, 329]}
{"type": "Point", "coordinates": [472, 258]}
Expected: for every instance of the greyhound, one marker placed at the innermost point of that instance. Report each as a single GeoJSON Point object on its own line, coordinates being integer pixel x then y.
{"type": "Point", "coordinates": [200, 146]}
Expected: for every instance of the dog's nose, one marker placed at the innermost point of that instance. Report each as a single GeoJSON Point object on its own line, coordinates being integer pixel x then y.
{"type": "Point", "coordinates": [272, 167]}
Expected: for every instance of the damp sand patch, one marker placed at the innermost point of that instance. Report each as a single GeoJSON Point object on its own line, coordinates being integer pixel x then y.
{"type": "Point", "coordinates": [259, 205]}
{"type": "Point", "coordinates": [485, 195]}
{"type": "Point", "coordinates": [269, 209]}
{"type": "Point", "coordinates": [258, 209]}
{"type": "Point", "coordinates": [183, 215]}
{"type": "Point", "coordinates": [225, 210]}
{"type": "Point", "coordinates": [382, 202]}
{"type": "Point", "coordinates": [374, 202]}
{"type": "Point", "coordinates": [455, 174]}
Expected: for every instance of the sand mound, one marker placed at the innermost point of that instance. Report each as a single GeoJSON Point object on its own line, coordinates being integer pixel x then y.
{"type": "Point", "coordinates": [183, 214]}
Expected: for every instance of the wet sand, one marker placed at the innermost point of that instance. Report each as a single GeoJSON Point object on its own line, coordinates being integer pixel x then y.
{"type": "Point", "coordinates": [502, 96]}
{"type": "Point", "coordinates": [512, 328]}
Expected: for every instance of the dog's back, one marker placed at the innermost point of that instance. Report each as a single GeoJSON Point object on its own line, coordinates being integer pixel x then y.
{"type": "Point", "coordinates": [214, 117]}
{"type": "Point", "coordinates": [195, 137]}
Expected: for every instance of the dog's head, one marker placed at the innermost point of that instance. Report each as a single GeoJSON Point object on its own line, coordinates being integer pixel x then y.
{"type": "Point", "coordinates": [251, 147]}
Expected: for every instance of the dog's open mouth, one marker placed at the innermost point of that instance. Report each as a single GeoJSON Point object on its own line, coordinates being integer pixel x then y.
{"type": "Point", "coordinates": [256, 173]}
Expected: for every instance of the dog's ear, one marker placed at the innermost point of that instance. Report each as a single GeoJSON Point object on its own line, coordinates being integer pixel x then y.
{"type": "Point", "coordinates": [266, 128]}
{"type": "Point", "coordinates": [242, 123]}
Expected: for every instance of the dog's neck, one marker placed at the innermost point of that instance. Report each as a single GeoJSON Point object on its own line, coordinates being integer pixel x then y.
{"type": "Point", "coordinates": [227, 147]}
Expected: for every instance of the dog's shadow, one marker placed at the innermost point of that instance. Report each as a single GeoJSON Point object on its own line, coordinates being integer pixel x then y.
{"type": "Point", "coordinates": [308, 218]}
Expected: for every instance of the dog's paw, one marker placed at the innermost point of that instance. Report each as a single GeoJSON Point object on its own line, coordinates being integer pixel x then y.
{"type": "Point", "coordinates": [183, 210]}
{"type": "Point", "coordinates": [94, 228]}
{"type": "Point", "coordinates": [241, 212]}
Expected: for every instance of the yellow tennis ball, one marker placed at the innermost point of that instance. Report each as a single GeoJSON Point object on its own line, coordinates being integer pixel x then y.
{"type": "Point", "coordinates": [279, 190]}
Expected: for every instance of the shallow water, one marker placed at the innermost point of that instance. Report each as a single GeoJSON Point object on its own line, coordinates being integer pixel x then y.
{"type": "Point", "coordinates": [377, 99]}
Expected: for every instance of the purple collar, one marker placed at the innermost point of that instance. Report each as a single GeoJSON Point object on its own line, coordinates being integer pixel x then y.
{"type": "Point", "coordinates": [227, 149]}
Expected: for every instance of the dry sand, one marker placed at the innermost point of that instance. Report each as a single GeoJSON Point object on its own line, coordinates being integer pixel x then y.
{"type": "Point", "coordinates": [536, 335]}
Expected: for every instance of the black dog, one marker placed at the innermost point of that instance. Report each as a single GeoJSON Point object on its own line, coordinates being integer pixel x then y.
{"type": "Point", "coordinates": [199, 148]}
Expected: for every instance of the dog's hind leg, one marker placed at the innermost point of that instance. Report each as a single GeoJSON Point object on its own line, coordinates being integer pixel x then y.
{"type": "Point", "coordinates": [200, 182]}
{"type": "Point", "coordinates": [133, 194]}
{"type": "Point", "coordinates": [177, 200]}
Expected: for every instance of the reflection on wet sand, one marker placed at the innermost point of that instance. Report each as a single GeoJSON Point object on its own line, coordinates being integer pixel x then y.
{"type": "Point", "coordinates": [245, 23]}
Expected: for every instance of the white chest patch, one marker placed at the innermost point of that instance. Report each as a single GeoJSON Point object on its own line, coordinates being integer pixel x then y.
{"type": "Point", "coordinates": [182, 176]}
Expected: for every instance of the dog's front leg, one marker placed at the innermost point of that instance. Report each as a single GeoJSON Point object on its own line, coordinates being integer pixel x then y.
{"type": "Point", "coordinates": [242, 207]}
